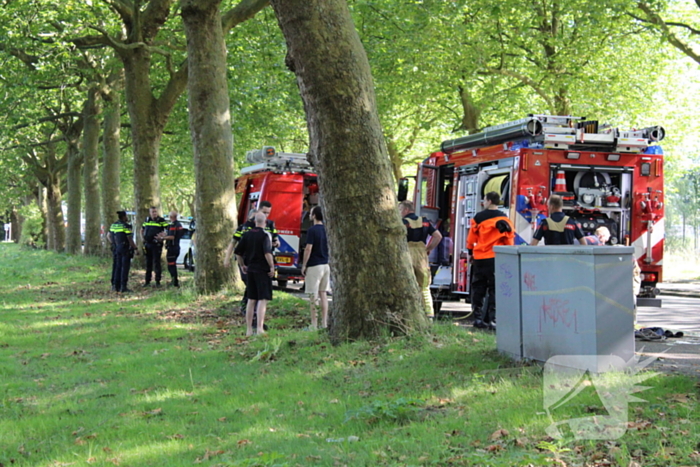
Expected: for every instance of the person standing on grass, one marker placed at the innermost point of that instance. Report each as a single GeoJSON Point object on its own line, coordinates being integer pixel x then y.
{"type": "Point", "coordinates": [121, 236]}
{"type": "Point", "coordinates": [315, 269]}
{"type": "Point", "coordinates": [172, 238]}
{"type": "Point", "coordinates": [254, 256]}
{"type": "Point", "coordinates": [152, 227]}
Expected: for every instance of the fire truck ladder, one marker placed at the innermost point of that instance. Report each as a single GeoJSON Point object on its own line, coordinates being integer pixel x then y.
{"type": "Point", "coordinates": [268, 159]}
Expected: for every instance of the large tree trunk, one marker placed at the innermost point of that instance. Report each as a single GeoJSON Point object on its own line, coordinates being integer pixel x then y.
{"type": "Point", "coordinates": [91, 145]}
{"type": "Point", "coordinates": [210, 128]}
{"type": "Point", "coordinates": [147, 124]}
{"type": "Point", "coordinates": [111, 160]}
{"type": "Point", "coordinates": [75, 161]}
{"type": "Point", "coordinates": [375, 290]}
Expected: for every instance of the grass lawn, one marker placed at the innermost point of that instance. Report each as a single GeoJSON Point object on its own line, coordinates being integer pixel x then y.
{"type": "Point", "coordinates": [164, 378]}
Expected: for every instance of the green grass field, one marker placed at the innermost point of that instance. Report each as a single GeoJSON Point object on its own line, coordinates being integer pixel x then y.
{"type": "Point", "coordinates": [164, 378]}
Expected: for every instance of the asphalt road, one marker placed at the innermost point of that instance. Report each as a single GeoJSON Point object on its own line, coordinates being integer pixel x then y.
{"type": "Point", "coordinates": [676, 313]}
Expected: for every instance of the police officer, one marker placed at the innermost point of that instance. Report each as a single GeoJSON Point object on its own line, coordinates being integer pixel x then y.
{"type": "Point", "coordinates": [172, 238]}
{"type": "Point", "coordinates": [123, 247]}
{"type": "Point", "coordinates": [152, 227]}
{"type": "Point", "coordinates": [418, 230]}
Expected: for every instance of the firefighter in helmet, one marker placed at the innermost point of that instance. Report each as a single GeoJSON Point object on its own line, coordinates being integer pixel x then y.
{"type": "Point", "coordinates": [418, 231]}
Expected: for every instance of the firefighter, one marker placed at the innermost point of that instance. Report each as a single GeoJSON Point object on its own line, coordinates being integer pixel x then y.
{"type": "Point", "coordinates": [152, 227]}
{"type": "Point", "coordinates": [558, 228]}
{"type": "Point", "coordinates": [121, 237]}
{"type": "Point", "coordinates": [488, 228]}
{"type": "Point", "coordinates": [172, 238]}
{"type": "Point", "coordinates": [601, 237]}
{"type": "Point", "coordinates": [418, 230]}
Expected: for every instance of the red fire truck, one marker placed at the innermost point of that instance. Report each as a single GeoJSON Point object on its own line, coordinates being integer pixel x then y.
{"type": "Point", "coordinates": [606, 176]}
{"type": "Point", "coordinates": [285, 180]}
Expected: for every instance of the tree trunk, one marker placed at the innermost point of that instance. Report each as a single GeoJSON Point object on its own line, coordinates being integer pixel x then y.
{"type": "Point", "coordinates": [210, 129]}
{"type": "Point", "coordinates": [147, 125]}
{"type": "Point", "coordinates": [111, 160]}
{"type": "Point", "coordinates": [471, 112]}
{"type": "Point", "coordinates": [75, 161]}
{"type": "Point", "coordinates": [43, 209]}
{"type": "Point", "coordinates": [91, 170]}
{"type": "Point", "coordinates": [16, 220]}
{"type": "Point", "coordinates": [349, 152]}
{"type": "Point", "coordinates": [54, 218]}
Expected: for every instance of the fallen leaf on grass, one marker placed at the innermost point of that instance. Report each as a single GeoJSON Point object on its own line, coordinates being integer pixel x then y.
{"type": "Point", "coordinates": [682, 398]}
{"type": "Point", "coordinates": [208, 455]}
{"type": "Point", "coordinates": [154, 412]}
{"type": "Point", "coordinates": [333, 401]}
{"type": "Point", "coordinates": [641, 425]}
{"type": "Point", "coordinates": [494, 448]}
{"type": "Point", "coordinates": [176, 436]}
{"type": "Point", "coordinates": [114, 460]}
{"type": "Point", "coordinates": [498, 434]}
{"type": "Point", "coordinates": [222, 419]}
{"type": "Point", "coordinates": [243, 442]}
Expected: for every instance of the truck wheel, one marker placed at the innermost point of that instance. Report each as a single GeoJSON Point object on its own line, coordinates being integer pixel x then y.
{"type": "Point", "coordinates": [282, 284]}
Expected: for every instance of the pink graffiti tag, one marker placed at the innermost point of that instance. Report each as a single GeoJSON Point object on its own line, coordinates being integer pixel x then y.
{"type": "Point", "coordinates": [556, 310]}
{"type": "Point", "coordinates": [529, 281]}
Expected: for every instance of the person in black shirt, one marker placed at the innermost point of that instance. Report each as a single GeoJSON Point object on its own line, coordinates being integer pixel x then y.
{"type": "Point", "coordinates": [172, 238]}
{"type": "Point", "coordinates": [123, 247]}
{"type": "Point", "coordinates": [151, 231]}
{"type": "Point", "coordinates": [254, 256]}
{"type": "Point", "coordinates": [315, 269]}
{"type": "Point", "coordinates": [557, 229]}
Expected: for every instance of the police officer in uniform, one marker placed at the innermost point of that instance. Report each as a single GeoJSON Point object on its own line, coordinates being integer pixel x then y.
{"type": "Point", "coordinates": [172, 238]}
{"type": "Point", "coordinates": [123, 247]}
{"type": "Point", "coordinates": [418, 230]}
{"type": "Point", "coordinates": [151, 231]}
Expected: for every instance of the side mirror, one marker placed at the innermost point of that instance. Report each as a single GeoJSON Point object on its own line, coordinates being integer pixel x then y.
{"type": "Point", "coordinates": [403, 189]}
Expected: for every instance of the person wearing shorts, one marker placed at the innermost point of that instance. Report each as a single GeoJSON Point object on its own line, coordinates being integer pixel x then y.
{"type": "Point", "coordinates": [254, 256]}
{"type": "Point", "coordinates": [316, 271]}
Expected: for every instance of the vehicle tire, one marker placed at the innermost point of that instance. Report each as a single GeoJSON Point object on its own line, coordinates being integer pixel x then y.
{"type": "Point", "coordinates": [187, 262]}
{"type": "Point", "coordinates": [282, 284]}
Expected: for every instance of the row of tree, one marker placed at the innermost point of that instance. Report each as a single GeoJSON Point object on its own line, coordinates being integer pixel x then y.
{"type": "Point", "coordinates": [437, 67]}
